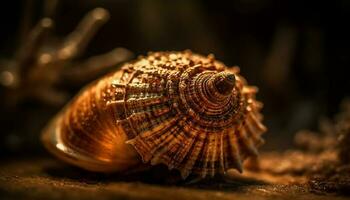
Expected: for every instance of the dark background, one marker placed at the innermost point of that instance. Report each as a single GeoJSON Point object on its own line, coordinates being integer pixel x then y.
{"type": "Point", "coordinates": [297, 52]}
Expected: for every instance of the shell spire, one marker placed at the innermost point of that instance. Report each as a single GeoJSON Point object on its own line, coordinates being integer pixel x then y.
{"type": "Point", "coordinates": [216, 123]}
{"type": "Point", "coordinates": [224, 82]}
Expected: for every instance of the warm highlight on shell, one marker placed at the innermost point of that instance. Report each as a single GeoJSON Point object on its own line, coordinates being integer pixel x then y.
{"type": "Point", "coordinates": [184, 110]}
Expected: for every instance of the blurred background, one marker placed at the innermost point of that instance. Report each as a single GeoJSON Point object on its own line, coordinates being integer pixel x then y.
{"type": "Point", "coordinates": [296, 52]}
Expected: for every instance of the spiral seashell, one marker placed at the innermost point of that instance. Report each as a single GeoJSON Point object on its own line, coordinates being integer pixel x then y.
{"type": "Point", "coordinates": [180, 109]}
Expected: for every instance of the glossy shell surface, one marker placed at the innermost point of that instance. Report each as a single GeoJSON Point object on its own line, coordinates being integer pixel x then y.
{"type": "Point", "coordinates": [181, 109]}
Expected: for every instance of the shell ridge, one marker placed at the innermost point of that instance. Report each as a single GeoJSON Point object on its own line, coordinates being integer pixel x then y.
{"type": "Point", "coordinates": [254, 122]}
{"type": "Point", "coordinates": [221, 153]}
{"type": "Point", "coordinates": [253, 131]}
{"type": "Point", "coordinates": [160, 155]}
{"type": "Point", "coordinates": [189, 140]}
{"type": "Point", "coordinates": [146, 142]}
{"type": "Point", "coordinates": [202, 163]}
{"type": "Point", "coordinates": [192, 157]}
{"type": "Point", "coordinates": [133, 74]}
{"type": "Point", "coordinates": [176, 151]}
{"type": "Point", "coordinates": [236, 160]}
{"type": "Point", "coordinates": [247, 143]}
{"type": "Point", "coordinates": [214, 154]}
{"type": "Point", "coordinates": [147, 120]}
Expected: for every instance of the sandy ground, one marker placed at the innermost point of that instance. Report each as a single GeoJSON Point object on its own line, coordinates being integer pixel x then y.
{"type": "Point", "coordinates": [47, 178]}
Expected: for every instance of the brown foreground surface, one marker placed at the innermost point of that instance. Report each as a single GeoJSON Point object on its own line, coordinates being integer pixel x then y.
{"type": "Point", "coordinates": [47, 178]}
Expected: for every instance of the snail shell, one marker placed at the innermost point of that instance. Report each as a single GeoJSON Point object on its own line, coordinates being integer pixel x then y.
{"type": "Point", "coordinates": [181, 109]}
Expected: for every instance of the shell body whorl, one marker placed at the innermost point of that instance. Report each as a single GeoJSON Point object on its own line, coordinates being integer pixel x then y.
{"type": "Point", "coordinates": [181, 109]}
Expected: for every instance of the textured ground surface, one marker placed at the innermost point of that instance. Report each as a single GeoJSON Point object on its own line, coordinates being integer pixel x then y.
{"type": "Point", "coordinates": [47, 178]}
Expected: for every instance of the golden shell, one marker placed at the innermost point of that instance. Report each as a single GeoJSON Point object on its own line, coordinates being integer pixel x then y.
{"type": "Point", "coordinates": [181, 109]}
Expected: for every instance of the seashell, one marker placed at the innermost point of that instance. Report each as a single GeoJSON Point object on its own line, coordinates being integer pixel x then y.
{"type": "Point", "coordinates": [181, 109]}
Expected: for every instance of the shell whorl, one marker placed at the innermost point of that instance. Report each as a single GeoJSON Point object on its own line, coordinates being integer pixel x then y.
{"type": "Point", "coordinates": [181, 109]}
{"type": "Point", "coordinates": [209, 98]}
{"type": "Point", "coordinates": [207, 120]}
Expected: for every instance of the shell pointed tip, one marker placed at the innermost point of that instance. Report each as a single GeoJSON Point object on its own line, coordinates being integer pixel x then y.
{"type": "Point", "coordinates": [225, 82]}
